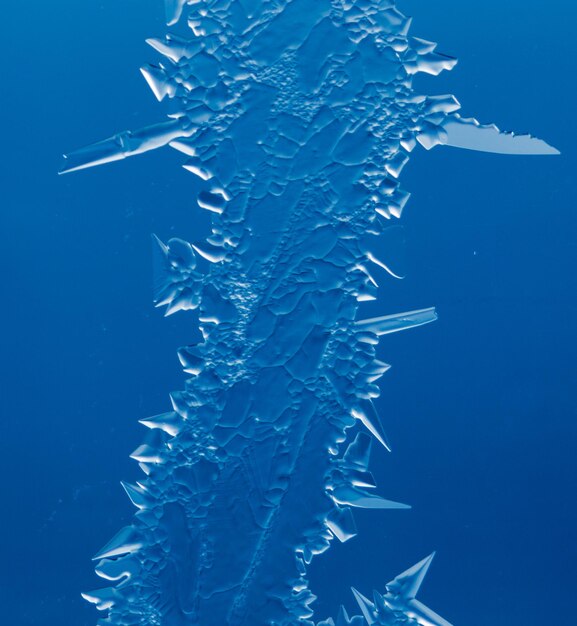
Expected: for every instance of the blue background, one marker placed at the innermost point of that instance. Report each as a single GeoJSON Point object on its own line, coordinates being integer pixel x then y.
{"type": "Point", "coordinates": [480, 407]}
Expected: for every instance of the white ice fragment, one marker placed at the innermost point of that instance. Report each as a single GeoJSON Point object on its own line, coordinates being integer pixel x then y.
{"type": "Point", "coordinates": [399, 601]}
{"type": "Point", "coordinates": [126, 144]}
{"type": "Point", "coordinates": [103, 598]}
{"type": "Point", "coordinates": [395, 164]}
{"type": "Point", "coordinates": [183, 146]}
{"type": "Point", "coordinates": [195, 166]}
{"type": "Point", "coordinates": [117, 569]}
{"type": "Point", "coordinates": [471, 135]}
{"type": "Point", "coordinates": [136, 494]}
{"type": "Point", "coordinates": [422, 46]}
{"type": "Point", "coordinates": [211, 253]}
{"type": "Point", "coordinates": [375, 370]}
{"type": "Point", "coordinates": [211, 201]}
{"type": "Point", "coordinates": [383, 265]}
{"type": "Point", "coordinates": [369, 417]}
{"type": "Point", "coordinates": [431, 63]}
{"type": "Point", "coordinates": [407, 584]}
{"type": "Point", "coordinates": [125, 541]}
{"type": "Point", "coordinates": [343, 617]}
{"type": "Point", "coordinates": [157, 81]}
{"type": "Point", "coordinates": [341, 523]}
{"type": "Point", "coordinates": [171, 422]}
{"type": "Point", "coordinates": [398, 321]}
{"type": "Point", "coordinates": [173, 10]}
{"type": "Point", "coordinates": [391, 245]}
{"type": "Point", "coordinates": [359, 451]}
{"type": "Point", "coordinates": [147, 454]}
{"type": "Point", "coordinates": [432, 136]}
{"type": "Point", "coordinates": [351, 496]}
{"type": "Point", "coordinates": [366, 606]}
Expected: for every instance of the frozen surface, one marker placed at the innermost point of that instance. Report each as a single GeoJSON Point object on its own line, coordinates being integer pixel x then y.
{"type": "Point", "coordinates": [299, 117]}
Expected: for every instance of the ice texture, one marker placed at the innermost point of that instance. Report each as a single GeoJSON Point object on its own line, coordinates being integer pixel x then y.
{"type": "Point", "coordinates": [298, 116]}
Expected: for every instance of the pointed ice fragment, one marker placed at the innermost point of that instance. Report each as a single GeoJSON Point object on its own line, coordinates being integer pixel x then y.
{"type": "Point", "coordinates": [398, 321]}
{"type": "Point", "coordinates": [170, 422]}
{"type": "Point", "coordinates": [343, 618]}
{"type": "Point", "coordinates": [103, 598]}
{"type": "Point", "coordinates": [126, 144]}
{"type": "Point", "coordinates": [157, 81]}
{"type": "Point", "coordinates": [368, 415]}
{"type": "Point", "coordinates": [174, 48]}
{"type": "Point", "coordinates": [350, 496]}
{"type": "Point", "coordinates": [359, 451]}
{"type": "Point", "coordinates": [191, 360]}
{"type": "Point", "coordinates": [408, 583]}
{"type": "Point", "coordinates": [118, 568]}
{"type": "Point", "coordinates": [153, 448]}
{"type": "Point", "coordinates": [366, 606]}
{"type": "Point", "coordinates": [469, 134]}
{"type": "Point", "coordinates": [361, 478]}
{"type": "Point", "coordinates": [431, 63]}
{"type": "Point", "coordinates": [391, 245]}
{"type": "Point", "coordinates": [399, 600]}
{"type": "Point", "coordinates": [195, 165]}
{"type": "Point", "coordinates": [211, 201]}
{"type": "Point", "coordinates": [211, 253]}
{"type": "Point", "coordinates": [136, 494]}
{"type": "Point", "coordinates": [341, 523]}
{"type": "Point", "coordinates": [382, 264]}
{"type": "Point", "coordinates": [375, 370]}
{"type": "Point", "coordinates": [147, 454]}
{"type": "Point", "coordinates": [173, 9]}
{"type": "Point", "coordinates": [175, 282]}
{"type": "Point", "coordinates": [183, 145]}
{"type": "Point", "coordinates": [125, 541]}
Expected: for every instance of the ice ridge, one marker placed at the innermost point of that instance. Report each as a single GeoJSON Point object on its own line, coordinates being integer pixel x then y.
{"type": "Point", "coordinates": [298, 116]}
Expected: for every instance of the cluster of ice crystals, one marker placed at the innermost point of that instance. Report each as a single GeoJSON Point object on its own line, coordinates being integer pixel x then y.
{"type": "Point", "coordinates": [298, 116]}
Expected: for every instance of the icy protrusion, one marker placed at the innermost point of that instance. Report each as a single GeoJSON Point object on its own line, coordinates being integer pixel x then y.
{"type": "Point", "coordinates": [158, 82]}
{"type": "Point", "coordinates": [173, 9]}
{"type": "Point", "coordinates": [171, 422]}
{"type": "Point", "coordinates": [147, 454]}
{"type": "Point", "coordinates": [118, 569]}
{"type": "Point", "coordinates": [367, 414]}
{"type": "Point", "coordinates": [359, 451]}
{"type": "Point", "coordinates": [174, 48]}
{"type": "Point", "coordinates": [407, 584]}
{"type": "Point", "coordinates": [126, 144]}
{"type": "Point", "coordinates": [398, 603]}
{"type": "Point", "coordinates": [343, 619]}
{"type": "Point", "coordinates": [342, 524]}
{"type": "Point", "coordinates": [125, 541]}
{"type": "Point", "coordinates": [399, 321]}
{"type": "Point", "coordinates": [366, 606]}
{"type": "Point", "coordinates": [214, 254]}
{"type": "Point", "coordinates": [351, 496]}
{"type": "Point", "coordinates": [104, 599]}
{"type": "Point", "coordinates": [176, 284]}
{"type": "Point", "coordinates": [471, 135]}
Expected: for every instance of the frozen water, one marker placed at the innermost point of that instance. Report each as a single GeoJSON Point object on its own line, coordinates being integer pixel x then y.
{"type": "Point", "coordinates": [299, 117]}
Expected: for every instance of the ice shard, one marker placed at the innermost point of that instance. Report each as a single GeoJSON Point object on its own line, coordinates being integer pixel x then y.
{"type": "Point", "coordinates": [298, 117]}
{"type": "Point", "coordinates": [398, 605]}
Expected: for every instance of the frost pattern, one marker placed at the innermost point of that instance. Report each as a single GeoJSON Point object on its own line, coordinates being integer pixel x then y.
{"type": "Point", "coordinates": [299, 115]}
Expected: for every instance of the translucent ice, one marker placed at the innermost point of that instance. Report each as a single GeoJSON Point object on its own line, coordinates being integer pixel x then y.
{"type": "Point", "coordinates": [298, 117]}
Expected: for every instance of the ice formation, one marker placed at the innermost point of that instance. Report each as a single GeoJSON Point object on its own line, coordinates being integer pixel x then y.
{"type": "Point", "coordinates": [299, 116]}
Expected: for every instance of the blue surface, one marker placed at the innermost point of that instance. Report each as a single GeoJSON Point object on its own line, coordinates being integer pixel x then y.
{"type": "Point", "coordinates": [479, 406]}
